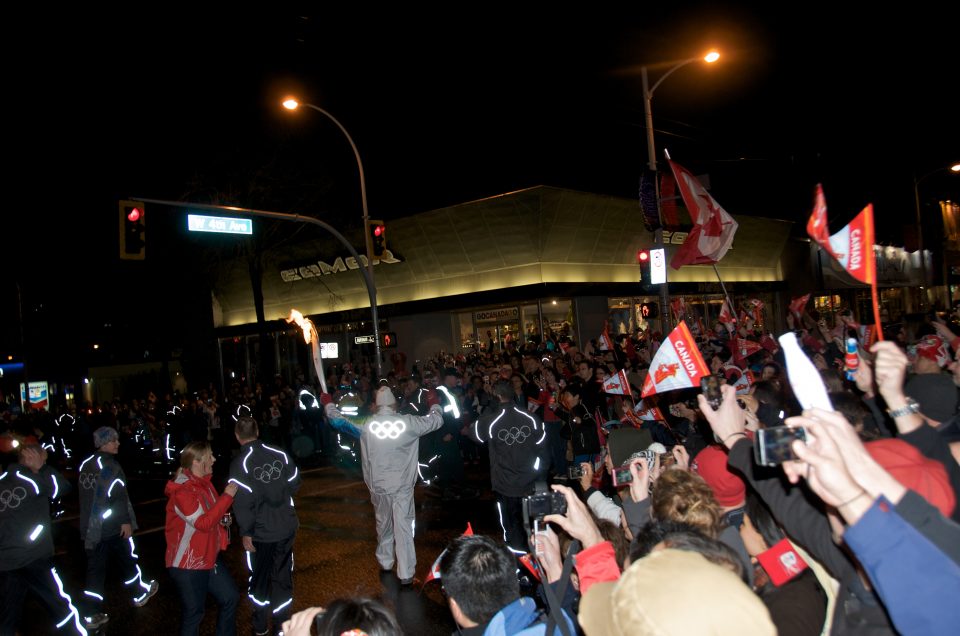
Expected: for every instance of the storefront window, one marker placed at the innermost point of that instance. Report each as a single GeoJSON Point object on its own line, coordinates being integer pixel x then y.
{"type": "Point", "coordinates": [557, 317]}
{"type": "Point", "coordinates": [531, 323]}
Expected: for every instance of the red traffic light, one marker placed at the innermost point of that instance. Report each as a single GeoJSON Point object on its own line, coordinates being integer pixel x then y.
{"type": "Point", "coordinates": [134, 214]}
{"type": "Point", "coordinates": [377, 231]}
{"type": "Point", "coordinates": [642, 255]}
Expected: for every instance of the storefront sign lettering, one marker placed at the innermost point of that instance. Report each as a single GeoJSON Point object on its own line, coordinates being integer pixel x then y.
{"type": "Point", "coordinates": [497, 314]}
{"type": "Point", "coordinates": [320, 268]}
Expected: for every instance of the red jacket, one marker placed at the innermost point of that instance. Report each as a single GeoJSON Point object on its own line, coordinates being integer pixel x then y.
{"type": "Point", "coordinates": [193, 530]}
{"type": "Point", "coordinates": [596, 564]}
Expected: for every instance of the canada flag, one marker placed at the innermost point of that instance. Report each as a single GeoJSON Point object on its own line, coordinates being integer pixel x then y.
{"type": "Point", "coordinates": [798, 304]}
{"type": "Point", "coordinates": [676, 365]}
{"type": "Point", "coordinates": [713, 228]}
{"type": "Point", "coordinates": [617, 384]}
{"type": "Point", "coordinates": [647, 412]}
{"type": "Point", "coordinates": [852, 246]}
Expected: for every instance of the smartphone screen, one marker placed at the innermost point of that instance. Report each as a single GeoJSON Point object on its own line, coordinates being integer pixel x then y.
{"type": "Point", "coordinates": [710, 387]}
{"type": "Point", "coordinates": [773, 446]}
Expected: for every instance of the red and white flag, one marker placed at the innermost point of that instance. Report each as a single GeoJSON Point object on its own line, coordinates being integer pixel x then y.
{"type": "Point", "coordinates": [648, 413]}
{"type": "Point", "coordinates": [768, 343]}
{"type": "Point", "coordinates": [676, 365]}
{"type": "Point", "coordinates": [742, 385]}
{"type": "Point", "coordinates": [617, 384]}
{"type": "Point", "coordinates": [727, 317]}
{"type": "Point", "coordinates": [434, 572]}
{"type": "Point", "coordinates": [756, 307]}
{"type": "Point", "coordinates": [747, 347]}
{"type": "Point", "coordinates": [679, 307]}
{"type": "Point", "coordinates": [852, 246]}
{"type": "Point", "coordinates": [605, 343]}
{"type": "Point", "coordinates": [713, 229]}
{"type": "Point", "coordinates": [798, 304]}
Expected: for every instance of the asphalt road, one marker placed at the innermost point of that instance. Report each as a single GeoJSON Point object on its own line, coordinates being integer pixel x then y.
{"type": "Point", "coordinates": [334, 556]}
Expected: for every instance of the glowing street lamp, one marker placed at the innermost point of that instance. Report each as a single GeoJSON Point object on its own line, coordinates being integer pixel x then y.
{"type": "Point", "coordinates": [291, 103]}
{"type": "Point", "coordinates": [648, 91]}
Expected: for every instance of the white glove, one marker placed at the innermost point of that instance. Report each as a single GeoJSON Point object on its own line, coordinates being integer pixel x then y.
{"type": "Point", "coordinates": [436, 408]}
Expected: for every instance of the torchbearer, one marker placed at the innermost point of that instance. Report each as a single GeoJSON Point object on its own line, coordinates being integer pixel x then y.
{"type": "Point", "coordinates": [389, 444]}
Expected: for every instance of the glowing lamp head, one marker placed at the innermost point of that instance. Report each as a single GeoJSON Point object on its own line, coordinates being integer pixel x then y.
{"type": "Point", "coordinates": [711, 57]}
{"type": "Point", "coordinates": [290, 103]}
{"type": "Point", "coordinates": [134, 214]}
{"type": "Point", "coordinates": [955, 167]}
{"type": "Point", "coordinates": [642, 256]}
{"type": "Point", "coordinates": [378, 231]}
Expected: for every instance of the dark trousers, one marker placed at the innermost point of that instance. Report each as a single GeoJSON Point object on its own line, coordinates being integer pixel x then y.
{"type": "Point", "coordinates": [271, 582]}
{"type": "Point", "coordinates": [510, 510]}
{"type": "Point", "coordinates": [193, 586]}
{"type": "Point", "coordinates": [123, 553]}
{"type": "Point", "coordinates": [41, 578]}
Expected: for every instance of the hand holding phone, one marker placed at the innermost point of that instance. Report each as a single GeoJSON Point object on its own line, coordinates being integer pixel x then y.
{"type": "Point", "coordinates": [710, 387]}
{"type": "Point", "coordinates": [774, 445]}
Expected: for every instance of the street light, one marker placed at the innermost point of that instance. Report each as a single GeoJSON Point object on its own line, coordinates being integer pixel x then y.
{"type": "Point", "coordinates": [916, 197]}
{"type": "Point", "coordinates": [292, 104]}
{"type": "Point", "coordinates": [648, 91]}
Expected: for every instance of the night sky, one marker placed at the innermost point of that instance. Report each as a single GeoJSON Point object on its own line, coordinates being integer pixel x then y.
{"type": "Point", "coordinates": [445, 106]}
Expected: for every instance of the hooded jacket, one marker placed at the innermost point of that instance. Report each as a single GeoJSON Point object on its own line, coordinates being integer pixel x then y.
{"type": "Point", "coordinates": [25, 532]}
{"type": "Point", "coordinates": [193, 531]}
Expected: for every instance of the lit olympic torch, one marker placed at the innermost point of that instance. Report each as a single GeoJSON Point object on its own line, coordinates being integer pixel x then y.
{"type": "Point", "coordinates": [311, 338]}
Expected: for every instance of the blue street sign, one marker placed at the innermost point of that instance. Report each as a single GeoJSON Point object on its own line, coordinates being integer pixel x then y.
{"type": "Point", "coordinates": [219, 224]}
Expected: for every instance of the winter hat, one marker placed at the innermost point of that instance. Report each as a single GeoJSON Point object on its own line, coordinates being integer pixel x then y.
{"type": "Point", "coordinates": [652, 598]}
{"type": "Point", "coordinates": [104, 435]}
{"type": "Point", "coordinates": [385, 397]}
{"type": "Point", "coordinates": [936, 394]}
{"type": "Point", "coordinates": [927, 477]}
{"type": "Point", "coordinates": [933, 348]}
{"type": "Point", "coordinates": [728, 487]}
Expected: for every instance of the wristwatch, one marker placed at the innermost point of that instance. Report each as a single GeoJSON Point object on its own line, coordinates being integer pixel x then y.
{"type": "Point", "coordinates": [911, 407]}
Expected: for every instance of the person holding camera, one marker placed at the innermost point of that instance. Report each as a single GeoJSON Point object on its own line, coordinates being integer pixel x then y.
{"type": "Point", "coordinates": [519, 457]}
{"type": "Point", "coordinates": [196, 532]}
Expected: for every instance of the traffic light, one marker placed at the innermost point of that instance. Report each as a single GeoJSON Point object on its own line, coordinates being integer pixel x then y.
{"type": "Point", "coordinates": [378, 237]}
{"type": "Point", "coordinates": [649, 310]}
{"type": "Point", "coordinates": [133, 236]}
{"type": "Point", "coordinates": [388, 340]}
{"type": "Point", "coordinates": [643, 260]}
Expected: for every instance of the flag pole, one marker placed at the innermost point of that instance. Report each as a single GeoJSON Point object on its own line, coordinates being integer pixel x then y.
{"type": "Point", "coordinates": [724, 288]}
{"type": "Point", "coordinates": [876, 309]}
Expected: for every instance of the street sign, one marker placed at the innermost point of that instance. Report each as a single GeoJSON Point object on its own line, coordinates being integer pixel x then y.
{"type": "Point", "coordinates": [658, 267]}
{"type": "Point", "coordinates": [364, 339]}
{"type": "Point", "coordinates": [219, 224]}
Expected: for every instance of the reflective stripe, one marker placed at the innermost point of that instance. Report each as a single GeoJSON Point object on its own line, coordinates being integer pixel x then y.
{"type": "Point", "coordinates": [241, 484]}
{"type": "Point", "coordinates": [93, 594]}
{"type": "Point", "coordinates": [296, 471]}
{"type": "Point", "coordinates": [36, 488]}
{"type": "Point", "coordinates": [527, 415]}
{"type": "Point", "coordinates": [99, 464]}
{"type": "Point", "coordinates": [542, 437]}
{"type": "Point", "coordinates": [536, 464]}
{"type": "Point", "coordinates": [56, 486]}
{"type": "Point", "coordinates": [282, 605]}
{"type": "Point", "coordinates": [106, 513]}
{"type": "Point", "coordinates": [84, 462]}
{"type": "Point", "coordinates": [249, 453]}
{"type": "Point", "coordinates": [36, 532]}
{"type": "Point", "coordinates": [291, 503]}
{"type": "Point", "coordinates": [73, 610]}
{"type": "Point", "coordinates": [500, 514]}
{"type": "Point", "coordinates": [115, 482]}
{"type": "Point", "coordinates": [285, 458]}
{"type": "Point", "coordinates": [453, 402]}
{"type": "Point", "coordinates": [249, 563]}
{"type": "Point", "coordinates": [260, 603]}
{"type": "Point", "coordinates": [133, 548]}
{"type": "Point", "coordinates": [490, 430]}
{"type": "Point", "coordinates": [4, 475]}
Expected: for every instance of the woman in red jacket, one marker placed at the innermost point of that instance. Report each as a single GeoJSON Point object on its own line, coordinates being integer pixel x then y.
{"type": "Point", "coordinates": [195, 536]}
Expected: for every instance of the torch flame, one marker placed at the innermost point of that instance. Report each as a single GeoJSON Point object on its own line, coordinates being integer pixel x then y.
{"type": "Point", "coordinates": [304, 323]}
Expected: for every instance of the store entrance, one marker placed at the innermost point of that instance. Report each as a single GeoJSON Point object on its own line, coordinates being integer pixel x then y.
{"type": "Point", "coordinates": [496, 328]}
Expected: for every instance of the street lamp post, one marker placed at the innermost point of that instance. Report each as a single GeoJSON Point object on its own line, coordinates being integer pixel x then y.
{"type": "Point", "coordinates": [293, 104]}
{"type": "Point", "coordinates": [648, 91]}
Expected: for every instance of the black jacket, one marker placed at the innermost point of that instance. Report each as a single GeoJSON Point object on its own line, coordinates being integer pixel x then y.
{"type": "Point", "coordinates": [25, 531]}
{"type": "Point", "coordinates": [267, 480]}
{"type": "Point", "coordinates": [518, 447]}
{"type": "Point", "coordinates": [104, 503]}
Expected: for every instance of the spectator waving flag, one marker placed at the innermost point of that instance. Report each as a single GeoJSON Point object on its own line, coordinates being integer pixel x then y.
{"type": "Point", "coordinates": [798, 304]}
{"type": "Point", "coordinates": [713, 229]}
{"type": "Point", "coordinates": [647, 412]}
{"type": "Point", "coordinates": [677, 364]}
{"type": "Point", "coordinates": [605, 343]}
{"type": "Point", "coordinates": [727, 317]}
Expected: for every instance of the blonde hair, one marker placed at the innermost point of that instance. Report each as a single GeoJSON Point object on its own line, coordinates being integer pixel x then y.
{"type": "Point", "coordinates": [192, 451]}
{"type": "Point", "coordinates": [682, 496]}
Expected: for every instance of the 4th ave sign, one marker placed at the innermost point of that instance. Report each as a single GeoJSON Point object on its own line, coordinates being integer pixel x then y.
{"type": "Point", "coordinates": [219, 224]}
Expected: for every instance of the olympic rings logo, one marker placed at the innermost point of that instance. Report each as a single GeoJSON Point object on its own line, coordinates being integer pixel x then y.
{"type": "Point", "coordinates": [391, 429]}
{"type": "Point", "coordinates": [511, 436]}
{"type": "Point", "coordinates": [88, 481]}
{"type": "Point", "coordinates": [268, 472]}
{"type": "Point", "coordinates": [12, 498]}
